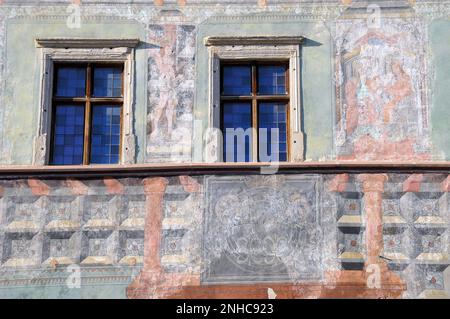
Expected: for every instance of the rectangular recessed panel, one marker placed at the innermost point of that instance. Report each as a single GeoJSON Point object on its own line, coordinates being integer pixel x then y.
{"type": "Point", "coordinates": [71, 82]}
{"type": "Point", "coordinates": [237, 119]}
{"type": "Point", "coordinates": [272, 80]}
{"type": "Point", "coordinates": [68, 138]}
{"type": "Point", "coordinates": [237, 80]}
{"type": "Point", "coordinates": [105, 141]}
{"type": "Point", "coordinates": [257, 229]}
{"type": "Point", "coordinates": [107, 82]}
{"type": "Point", "coordinates": [272, 116]}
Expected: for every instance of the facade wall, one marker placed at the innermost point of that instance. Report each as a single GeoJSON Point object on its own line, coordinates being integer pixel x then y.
{"type": "Point", "coordinates": [159, 237]}
{"type": "Point", "coordinates": [344, 114]}
{"type": "Point", "coordinates": [373, 87]}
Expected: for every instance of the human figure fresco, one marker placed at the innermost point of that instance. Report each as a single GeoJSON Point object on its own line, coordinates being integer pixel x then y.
{"type": "Point", "coordinates": [361, 99]}
{"type": "Point", "coordinates": [165, 62]}
{"type": "Point", "coordinates": [171, 92]}
{"type": "Point", "coordinates": [167, 91]}
{"type": "Point", "coordinates": [352, 115]}
{"type": "Point", "coordinates": [379, 96]}
{"type": "Point", "coordinates": [398, 90]}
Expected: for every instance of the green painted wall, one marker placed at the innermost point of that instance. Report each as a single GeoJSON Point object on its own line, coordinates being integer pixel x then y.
{"type": "Point", "coordinates": [108, 282]}
{"type": "Point", "coordinates": [439, 35]}
{"type": "Point", "coordinates": [21, 98]}
{"type": "Point", "coordinates": [22, 69]}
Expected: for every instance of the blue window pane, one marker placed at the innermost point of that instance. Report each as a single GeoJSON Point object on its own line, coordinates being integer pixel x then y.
{"type": "Point", "coordinates": [68, 135]}
{"type": "Point", "coordinates": [105, 139]}
{"type": "Point", "coordinates": [107, 82]}
{"type": "Point", "coordinates": [272, 116]}
{"type": "Point", "coordinates": [237, 80]}
{"type": "Point", "coordinates": [237, 139]}
{"type": "Point", "coordinates": [71, 82]}
{"type": "Point", "coordinates": [272, 80]}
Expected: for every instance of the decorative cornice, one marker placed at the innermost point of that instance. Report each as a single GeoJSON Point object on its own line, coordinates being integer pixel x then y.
{"type": "Point", "coordinates": [86, 43]}
{"type": "Point", "coordinates": [8, 172]}
{"type": "Point", "coordinates": [259, 40]}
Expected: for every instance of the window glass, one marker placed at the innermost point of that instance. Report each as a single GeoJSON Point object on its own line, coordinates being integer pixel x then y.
{"type": "Point", "coordinates": [237, 118]}
{"type": "Point", "coordinates": [237, 80]}
{"type": "Point", "coordinates": [259, 87]}
{"type": "Point", "coordinates": [105, 142]}
{"type": "Point", "coordinates": [272, 80]}
{"type": "Point", "coordinates": [107, 82]}
{"type": "Point", "coordinates": [79, 116]}
{"type": "Point", "coordinates": [71, 82]}
{"type": "Point", "coordinates": [273, 116]}
{"type": "Point", "coordinates": [68, 138]}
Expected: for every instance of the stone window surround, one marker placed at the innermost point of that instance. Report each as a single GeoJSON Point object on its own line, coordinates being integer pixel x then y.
{"type": "Point", "coordinates": [85, 50]}
{"type": "Point", "coordinates": [256, 48]}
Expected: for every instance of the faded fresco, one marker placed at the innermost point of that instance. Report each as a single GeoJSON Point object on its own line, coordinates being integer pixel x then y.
{"type": "Point", "coordinates": [303, 232]}
{"type": "Point", "coordinates": [382, 110]}
{"type": "Point", "coordinates": [171, 87]}
{"type": "Point", "coordinates": [292, 228]}
{"type": "Point", "coordinates": [283, 242]}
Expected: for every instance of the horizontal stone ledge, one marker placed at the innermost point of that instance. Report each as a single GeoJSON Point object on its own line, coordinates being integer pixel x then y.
{"type": "Point", "coordinates": [79, 43]}
{"type": "Point", "coordinates": [176, 169]}
{"type": "Point", "coordinates": [257, 40]}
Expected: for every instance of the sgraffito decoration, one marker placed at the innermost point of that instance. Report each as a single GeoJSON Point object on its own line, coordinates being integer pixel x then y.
{"type": "Point", "coordinates": [382, 106]}
{"type": "Point", "coordinates": [262, 230]}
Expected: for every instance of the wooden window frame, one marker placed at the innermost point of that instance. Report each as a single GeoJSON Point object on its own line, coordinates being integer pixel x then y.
{"type": "Point", "coordinates": [97, 51]}
{"type": "Point", "coordinates": [256, 99]}
{"type": "Point", "coordinates": [258, 48]}
{"type": "Point", "coordinates": [88, 100]}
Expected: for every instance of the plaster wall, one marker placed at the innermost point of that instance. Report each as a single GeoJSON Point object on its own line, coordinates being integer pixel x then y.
{"type": "Point", "coordinates": [346, 116]}
{"type": "Point", "coordinates": [369, 92]}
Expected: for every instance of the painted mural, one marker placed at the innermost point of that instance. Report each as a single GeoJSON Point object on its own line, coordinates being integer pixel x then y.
{"type": "Point", "coordinates": [227, 235]}
{"type": "Point", "coordinates": [382, 110]}
{"type": "Point", "coordinates": [171, 86]}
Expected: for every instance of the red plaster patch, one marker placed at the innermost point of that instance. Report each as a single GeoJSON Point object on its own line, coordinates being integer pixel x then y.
{"type": "Point", "coordinates": [412, 184]}
{"type": "Point", "coordinates": [38, 187]}
{"type": "Point", "coordinates": [155, 185]}
{"type": "Point", "coordinates": [77, 187]}
{"type": "Point", "coordinates": [190, 185]}
{"type": "Point", "coordinates": [113, 185]}
{"type": "Point", "coordinates": [346, 157]}
{"type": "Point", "coordinates": [154, 189]}
{"type": "Point", "coordinates": [262, 3]}
{"type": "Point", "coordinates": [445, 186]}
{"type": "Point", "coordinates": [352, 115]}
{"type": "Point", "coordinates": [338, 183]}
{"type": "Point", "coordinates": [338, 284]}
{"type": "Point", "coordinates": [368, 148]}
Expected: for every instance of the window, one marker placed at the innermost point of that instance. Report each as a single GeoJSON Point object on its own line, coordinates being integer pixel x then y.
{"type": "Point", "coordinates": [254, 89]}
{"type": "Point", "coordinates": [105, 114]}
{"type": "Point", "coordinates": [254, 99]}
{"type": "Point", "coordinates": [86, 114]}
